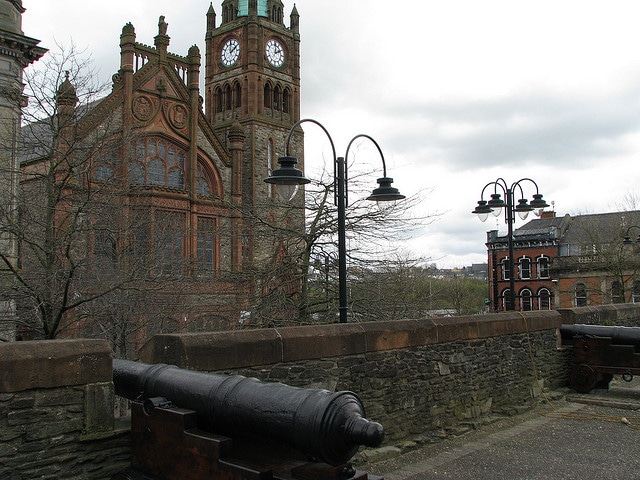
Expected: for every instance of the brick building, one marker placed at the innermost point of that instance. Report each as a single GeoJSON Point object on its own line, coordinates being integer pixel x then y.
{"type": "Point", "coordinates": [185, 168]}
{"type": "Point", "coordinates": [561, 262]}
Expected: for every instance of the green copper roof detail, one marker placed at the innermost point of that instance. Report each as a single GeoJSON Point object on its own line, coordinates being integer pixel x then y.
{"type": "Point", "coordinates": [243, 8]}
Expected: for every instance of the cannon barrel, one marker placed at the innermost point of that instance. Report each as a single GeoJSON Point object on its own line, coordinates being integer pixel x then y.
{"type": "Point", "coordinates": [619, 335]}
{"type": "Point", "coordinates": [324, 425]}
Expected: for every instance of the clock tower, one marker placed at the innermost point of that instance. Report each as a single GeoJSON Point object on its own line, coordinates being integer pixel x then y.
{"type": "Point", "coordinates": [252, 87]}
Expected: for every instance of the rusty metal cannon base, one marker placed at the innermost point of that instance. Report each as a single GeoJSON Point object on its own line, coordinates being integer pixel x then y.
{"type": "Point", "coordinates": [596, 359]}
{"type": "Point", "coordinates": [167, 444]}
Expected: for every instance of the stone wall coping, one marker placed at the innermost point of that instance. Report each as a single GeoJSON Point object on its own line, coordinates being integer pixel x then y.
{"type": "Point", "coordinates": [215, 351]}
{"type": "Point", "coordinates": [600, 315]}
{"type": "Point", "coordinates": [53, 363]}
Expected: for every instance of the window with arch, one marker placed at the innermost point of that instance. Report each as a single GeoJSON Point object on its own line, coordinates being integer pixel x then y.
{"type": "Point", "coordinates": [157, 162]}
{"type": "Point", "coordinates": [580, 295]}
{"type": "Point", "coordinates": [267, 96]}
{"type": "Point", "coordinates": [524, 268]}
{"type": "Point", "coordinates": [526, 300]}
{"type": "Point", "coordinates": [237, 95]}
{"type": "Point", "coordinates": [636, 291]}
{"type": "Point", "coordinates": [506, 301]}
{"type": "Point", "coordinates": [544, 299]}
{"type": "Point", "coordinates": [203, 184]}
{"type": "Point", "coordinates": [104, 168]}
{"type": "Point", "coordinates": [617, 292]}
{"type": "Point", "coordinates": [543, 266]}
{"type": "Point", "coordinates": [286, 100]}
{"type": "Point", "coordinates": [276, 14]}
{"type": "Point", "coordinates": [505, 264]}
{"type": "Point", "coordinates": [276, 98]}
{"type": "Point", "coordinates": [228, 99]}
{"type": "Point", "coordinates": [219, 99]}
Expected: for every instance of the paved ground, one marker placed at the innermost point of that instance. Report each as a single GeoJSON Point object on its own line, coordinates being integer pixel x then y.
{"type": "Point", "coordinates": [590, 436]}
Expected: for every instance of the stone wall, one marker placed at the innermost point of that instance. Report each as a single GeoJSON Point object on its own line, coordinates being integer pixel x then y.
{"type": "Point", "coordinates": [413, 376]}
{"type": "Point", "coordinates": [56, 412]}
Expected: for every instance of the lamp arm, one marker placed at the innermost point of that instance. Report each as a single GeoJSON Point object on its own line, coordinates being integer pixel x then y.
{"type": "Point", "coordinates": [495, 184]}
{"type": "Point", "coordinates": [522, 180]}
{"type": "Point", "coordinates": [517, 184]}
{"type": "Point", "coordinates": [363, 135]}
{"type": "Point", "coordinates": [346, 156]}
{"type": "Point", "coordinates": [298, 123]}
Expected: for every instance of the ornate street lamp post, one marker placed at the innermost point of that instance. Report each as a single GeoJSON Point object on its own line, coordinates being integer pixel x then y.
{"type": "Point", "coordinates": [495, 206]}
{"type": "Point", "coordinates": [290, 177]}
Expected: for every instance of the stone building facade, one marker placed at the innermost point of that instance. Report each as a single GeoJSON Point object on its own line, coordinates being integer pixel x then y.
{"type": "Point", "coordinates": [186, 172]}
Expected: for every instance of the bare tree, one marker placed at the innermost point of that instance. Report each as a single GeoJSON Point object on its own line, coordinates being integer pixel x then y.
{"type": "Point", "coordinates": [307, 289]}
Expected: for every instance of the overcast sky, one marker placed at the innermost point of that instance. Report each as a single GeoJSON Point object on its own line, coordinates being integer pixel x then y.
{"type": "Point", "coordinates": [457, 93]}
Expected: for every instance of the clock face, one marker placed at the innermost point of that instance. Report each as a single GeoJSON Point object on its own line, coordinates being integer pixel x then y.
{"type": "Point", "coordinates": [275, 53]}
{"type": "Point", "coordinates": [230, 52]}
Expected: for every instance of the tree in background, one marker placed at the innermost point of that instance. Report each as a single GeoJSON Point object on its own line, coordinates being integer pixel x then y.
{"type": "Point", "coordinates": [404, 288]}
{"type": "Point", "coordinates": [311, 260]}
{"type": "Point", "coordinates": [76, 233]}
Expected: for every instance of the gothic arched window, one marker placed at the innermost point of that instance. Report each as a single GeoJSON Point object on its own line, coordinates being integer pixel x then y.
{"type": "Point", "coordinates": [276, 98]}
{"type": "Point", "coordinates": [219, 100]}
{"type": "Point", "coordinates": [228, 99]}
{"type": "Point", "coordinates": [267, 96]}
{"type": "Point", "coordinates": [157, 162]}
{"type": "Point", "coordinates": [104, 170]}
{"type": "Point", "coordinates": [203, 184]}
{"type": "Point", "coordinates": [237, 94]}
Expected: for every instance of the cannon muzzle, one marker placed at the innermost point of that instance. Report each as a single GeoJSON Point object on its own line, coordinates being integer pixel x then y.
{"type": "Point", "coordinates": [321, 424]}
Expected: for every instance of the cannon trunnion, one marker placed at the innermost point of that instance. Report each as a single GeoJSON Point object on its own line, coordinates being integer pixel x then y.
{"type": "Point", "coordinates": [193, 425]}
{"type": "Point", "coordinates": [599, 352]}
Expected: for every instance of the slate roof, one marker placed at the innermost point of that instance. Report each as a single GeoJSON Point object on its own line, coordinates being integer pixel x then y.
{"type": "Point", "coordinates": [543, 227]}
{"type": "Point", "coordinates": [600, 228]}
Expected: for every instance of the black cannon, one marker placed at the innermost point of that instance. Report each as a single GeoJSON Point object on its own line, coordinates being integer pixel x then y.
{"type": "Point", "coordinates": [599, 352]}
{"type": "Point", "coordinates": [326, 427]}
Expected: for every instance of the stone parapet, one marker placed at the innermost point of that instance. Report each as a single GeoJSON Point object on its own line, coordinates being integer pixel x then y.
{"type": "Point", "coordinates": [622, 314]}
{"type": "Point", "coordinates": [56, 411]}
{"type": "Point", "coordinates": [210, 351]}
{"type": "Point", "coordinates": [53, 363]}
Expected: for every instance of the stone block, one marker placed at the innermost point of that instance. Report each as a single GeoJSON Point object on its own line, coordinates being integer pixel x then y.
{"type": "Point", "coordinates": [53, 363]}
{"type": "Point", "coordinates": [98, 407]}
{"type": "Point", "coordinates": [321, 341]}
{"type": "Point", "coordinates": [211, 351]}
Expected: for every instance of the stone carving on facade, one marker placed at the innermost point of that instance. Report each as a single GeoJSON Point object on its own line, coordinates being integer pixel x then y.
{"type": "Point", "coordinates": [116, 79]}
{"type": "Point", "coordinates": [178, 116]}
{"type": "Point", "coordinates": [143, 108]}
